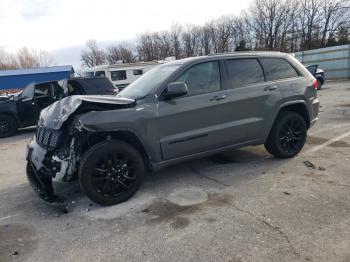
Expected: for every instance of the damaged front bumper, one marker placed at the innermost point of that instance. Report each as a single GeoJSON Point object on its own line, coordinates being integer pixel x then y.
{"type": "Point", "coordinates": [45, 167]}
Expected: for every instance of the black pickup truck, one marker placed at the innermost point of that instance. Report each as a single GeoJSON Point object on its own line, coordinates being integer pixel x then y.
{"type": "Point", "coordinates": [22, 109]}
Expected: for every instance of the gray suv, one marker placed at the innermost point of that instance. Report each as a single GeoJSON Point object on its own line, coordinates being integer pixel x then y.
{"type": "Point", "coordinates": [178, 111]}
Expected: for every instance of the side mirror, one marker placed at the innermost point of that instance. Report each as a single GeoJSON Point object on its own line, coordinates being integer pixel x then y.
{"type": "Point", "coordinates": [175, 89]}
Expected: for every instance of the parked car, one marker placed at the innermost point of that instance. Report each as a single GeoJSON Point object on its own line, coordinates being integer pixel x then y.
{"type": "Point", "coordinates": [318, 73]}
{"type": "Point", "coordinates": [23, 108]}
{"type": "Point", "coordinates": [177, 111]}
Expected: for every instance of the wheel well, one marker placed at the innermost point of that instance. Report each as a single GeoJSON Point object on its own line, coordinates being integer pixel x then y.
{"type": "Point", "coordinates": [126, 136]}
{"type": "Point", "coordinates": [12, 116]}
{"type": "Point", "coordinates": [299, 109]}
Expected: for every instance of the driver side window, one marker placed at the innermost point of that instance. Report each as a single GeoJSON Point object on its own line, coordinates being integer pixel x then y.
{"type": "Point", "coordinates": [202, 78]}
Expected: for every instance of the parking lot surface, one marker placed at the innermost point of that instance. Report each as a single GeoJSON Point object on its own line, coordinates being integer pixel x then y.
{"type": "Point", "coordinates": [242, 205]}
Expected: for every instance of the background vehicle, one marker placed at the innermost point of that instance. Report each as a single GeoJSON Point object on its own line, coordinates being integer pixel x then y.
{"type": "Point", "coordinates": [121, 75]}
{"type": "Point", "coordinates": [318, 73]}
{"type": "Point", "coordinates": [178, 111]}
{"type": "Point", "coordinates": [23, 108]}
{"type": "Point", "coordinates": [15, 80]}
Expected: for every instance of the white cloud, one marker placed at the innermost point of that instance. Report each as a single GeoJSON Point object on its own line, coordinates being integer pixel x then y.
{"type": "Point", "coordinates": [55, 24]}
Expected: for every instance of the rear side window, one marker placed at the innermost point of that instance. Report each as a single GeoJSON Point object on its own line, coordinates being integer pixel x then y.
{"type": "Point", "coordinates": [202, 78]}
{"type": "Point", "coordinates": [137, 72]}
{"type": "Point", "coordinates": [243, 72]}
{"type": "Point", "coordinates": [118, 75]}
{"type": "Point", "coordinates": [277, 68]}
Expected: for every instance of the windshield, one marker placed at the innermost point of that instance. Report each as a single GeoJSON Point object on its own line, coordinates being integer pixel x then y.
{"type": "Point", "coordinates": [149, 81]}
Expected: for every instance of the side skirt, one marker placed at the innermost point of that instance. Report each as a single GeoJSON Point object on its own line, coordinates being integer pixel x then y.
{"type": "Point", "coordinates": [155, 166]}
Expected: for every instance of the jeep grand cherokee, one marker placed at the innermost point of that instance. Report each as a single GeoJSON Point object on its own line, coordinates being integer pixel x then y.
{"type": "Point", "coordinates": [177, 111]}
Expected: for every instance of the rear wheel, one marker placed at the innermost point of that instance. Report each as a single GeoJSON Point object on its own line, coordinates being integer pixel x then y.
{"type": "Point", "coordinates": [288, 135]}
{"type": "Point", "coordinates": [111, 172]}
{"type": "Point", "coordinates": [8, 126]}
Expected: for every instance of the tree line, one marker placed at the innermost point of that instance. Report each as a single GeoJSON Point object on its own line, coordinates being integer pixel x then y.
{"type": "Point", "coordinates": [273, 25]}
{"type": "Point", "coordinates": [25, 58]}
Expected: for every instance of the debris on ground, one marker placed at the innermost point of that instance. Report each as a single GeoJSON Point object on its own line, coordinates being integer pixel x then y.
{"type": "Point", "coordinates": [321, 168]}
{"type": "Point", "coordinates": [286, 193]}
{"type": "Point", "coordinates": [309, 164]}
{"type": "Point", "coordinates": [15, 253]}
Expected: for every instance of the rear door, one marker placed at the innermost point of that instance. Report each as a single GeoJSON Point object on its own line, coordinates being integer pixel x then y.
{"type": "Point", "coordinates": [192, 124]}
{"type": "Point", "coordinates": [281, 73]}
{"type": "Point", "coordinates": [251, 102]}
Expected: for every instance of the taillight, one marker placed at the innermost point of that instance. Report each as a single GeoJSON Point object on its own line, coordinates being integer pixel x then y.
{"type": "Point", "coordinates": [314, 84]}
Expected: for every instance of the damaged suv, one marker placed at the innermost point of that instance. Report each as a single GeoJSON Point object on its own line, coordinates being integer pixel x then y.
{"type": "Point", "coordinates": [177, 111]}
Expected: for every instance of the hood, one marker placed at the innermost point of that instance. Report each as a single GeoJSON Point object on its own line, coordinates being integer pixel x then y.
{"type": "Point", "coordinates": [7, 97]}
{"type": "Point", "coordinates": [4, 98]}
{"type": "Point", "coordinates": [57, 113]}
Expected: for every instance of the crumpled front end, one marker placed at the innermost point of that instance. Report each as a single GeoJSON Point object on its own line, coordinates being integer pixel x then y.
{"type": "Point", "coordinates": [59, 141]}
{"type": "Point", "coordinates": [51, 156]}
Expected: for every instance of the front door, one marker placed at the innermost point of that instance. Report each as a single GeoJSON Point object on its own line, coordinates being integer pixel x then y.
{"type": "Point", "coordinates": [192, 124]}
{"type": "Point", "coordinates": [29, 107]}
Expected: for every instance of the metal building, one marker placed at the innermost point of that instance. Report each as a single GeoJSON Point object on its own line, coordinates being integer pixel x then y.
{"type": "Point", "coordinates": [334, 60]}
{"type": "Point", "coordinates": [15, 80]}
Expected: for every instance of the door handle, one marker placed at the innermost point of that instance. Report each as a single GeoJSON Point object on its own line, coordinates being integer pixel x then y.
{"type": "Point", "coordinates": [217, 98]}
{"type": "Point", "coordinates": [270, 88]}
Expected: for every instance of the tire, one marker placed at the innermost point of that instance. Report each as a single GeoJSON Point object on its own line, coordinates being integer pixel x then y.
{"type": "Point", "coordinates": [99, 177]}
{"type": "Point", "coordinates": [288, 135]}
{"type": "Point", "coordinates": [319, 84]}
{"type": "Point", "coordinates": [8, 126]}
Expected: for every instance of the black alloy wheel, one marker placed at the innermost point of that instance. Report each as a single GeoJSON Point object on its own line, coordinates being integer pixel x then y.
{"type": "Point", "coordinates": [114, 174]}
{"type": "Point", "coordinates": [288, 135]}
{"type": "Point", "coordinates": [292, 135]}
{"type": "Point", "coordinates": [111, 172]}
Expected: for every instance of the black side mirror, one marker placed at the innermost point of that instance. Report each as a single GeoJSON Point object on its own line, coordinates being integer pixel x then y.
{"type": "Point", "coordinates": [175, 89]}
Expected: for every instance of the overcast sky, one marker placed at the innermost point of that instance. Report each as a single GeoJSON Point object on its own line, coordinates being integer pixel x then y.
{"type": "Point", "coordinates": [63, 26]}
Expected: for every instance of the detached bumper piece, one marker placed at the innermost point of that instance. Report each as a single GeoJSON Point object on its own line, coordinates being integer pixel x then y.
{"type": "Point", "coordinates": [41, 182]}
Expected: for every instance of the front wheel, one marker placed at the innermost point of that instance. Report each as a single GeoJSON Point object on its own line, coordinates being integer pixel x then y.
{"type": "Point", "coordinates": [111, 172]}
{"type": "Point", "coordinates": [288, 135]}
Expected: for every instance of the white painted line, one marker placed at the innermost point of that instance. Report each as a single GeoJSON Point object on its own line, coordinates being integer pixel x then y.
{"type": "Point", "coordinates": [321, 130]}
{"type": "Point", "coordinates": [7, 217]}
{"type": "Point", "coordinates": [335, 139]}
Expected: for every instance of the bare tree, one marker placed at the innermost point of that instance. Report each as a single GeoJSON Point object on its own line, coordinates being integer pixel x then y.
{"type": "Point", "coordinates": [121, 52]}
{"type": "Point", "coordinates": [191, 40]}
{"type": "Point", "coordinates": [336, 15]}
{"type": "Point", "coordinates": [27, 58]}
{"type": "Point", "coordinates": [7, 61]}
{"type": "Point", "coordinates": [93, 56]}
{"type": "Point", "coordinates": [284, 25]}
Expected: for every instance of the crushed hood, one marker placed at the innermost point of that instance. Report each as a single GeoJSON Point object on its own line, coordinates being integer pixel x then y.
{"type": "Point", "coordinates": [5, 98]}
{"type": "Point", "coordinates": [57, 113]}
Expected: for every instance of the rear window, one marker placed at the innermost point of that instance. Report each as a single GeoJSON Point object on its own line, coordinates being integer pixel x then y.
{"type": "Point", "coordinates": [277, 68]}
{"type": "Point", "coordinates": [243, 72]}
{"type": "Point", "coordinates": [95, 86]}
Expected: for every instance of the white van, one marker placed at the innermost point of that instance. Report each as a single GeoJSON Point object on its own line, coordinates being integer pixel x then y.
{"type": "Point", "coordinates": [121, 75]}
